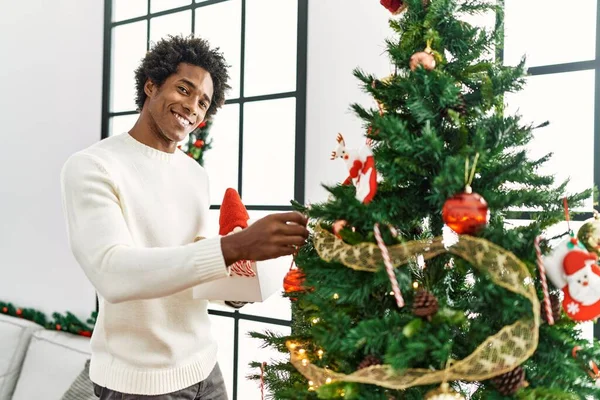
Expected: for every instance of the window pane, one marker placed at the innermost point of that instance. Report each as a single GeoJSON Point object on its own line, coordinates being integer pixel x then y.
{"type": "Point", "coordinates": [222, 330]}
{"type": "Point", "coordinates": [549, 31]}
{"type": "Point", "coordinates": [122, 124]}
{"type": "Point", "coordinates": [125, 9]}
{"type": "Point", "coordinates": [251, 350]}
{"type": "Point", "coordinates": [552, 231]}
{"type": "Point", "coordinates": [129, 47]}
{"type": "Point", "coordinates": [162, 5]}
{"type": "Point", "coordinates": [275, 306]}
{"type": "Point", "coordinates": [587, 330]}
{"type": "Point", "coordinates": [271, 48]}
{"type": "Point", "coordinates": [210, 26]}
{"type": "Point", "coordinates": [221, 161]}
{"type": "Point", "coordinates": [567, 101]}
{"type": "Point", "coordinates": [269, 152]}
{"type": "Point", "coordinates": [171, 24]}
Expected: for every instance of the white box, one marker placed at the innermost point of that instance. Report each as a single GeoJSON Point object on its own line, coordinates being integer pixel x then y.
{"type": "Point", "coordinates": [268, 281]}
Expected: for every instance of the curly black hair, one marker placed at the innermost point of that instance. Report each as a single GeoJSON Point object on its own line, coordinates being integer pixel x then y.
{"type": "Point", "coordinates": [166, 55]}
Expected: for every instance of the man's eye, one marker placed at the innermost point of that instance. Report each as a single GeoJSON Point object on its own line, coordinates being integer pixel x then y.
{"type": "Point", "coordinates": [184, 90]}
{"type": "Point", "coordinates": [203, 104]}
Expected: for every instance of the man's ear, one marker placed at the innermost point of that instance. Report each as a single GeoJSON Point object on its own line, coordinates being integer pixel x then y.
{"type": "Point", "coordinates": [149, 88]}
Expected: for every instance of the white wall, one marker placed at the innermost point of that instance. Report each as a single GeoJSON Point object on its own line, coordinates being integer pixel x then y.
{"type": "Point", "coordinates": [342, 35]}
{"type": "Point", "coordinates": [50, 107]}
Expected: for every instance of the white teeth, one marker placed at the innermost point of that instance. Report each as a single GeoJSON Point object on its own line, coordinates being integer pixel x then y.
{"type": "Point", "coordinates": [182, 120]}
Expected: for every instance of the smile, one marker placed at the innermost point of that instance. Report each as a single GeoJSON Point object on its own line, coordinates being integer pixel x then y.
{"type": "Point", "coordinates": [182, 121]}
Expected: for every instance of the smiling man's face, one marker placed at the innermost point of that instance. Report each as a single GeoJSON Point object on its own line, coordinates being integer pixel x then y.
{"type": "Point", "coordinates": [180, 104]}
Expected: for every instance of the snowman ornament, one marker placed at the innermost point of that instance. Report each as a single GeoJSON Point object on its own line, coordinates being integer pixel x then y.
{"type": "Point", "coordinates": [574, 270]}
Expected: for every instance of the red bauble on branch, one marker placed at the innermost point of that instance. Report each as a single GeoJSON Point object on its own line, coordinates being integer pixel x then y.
{"type": "Point", "coordinates": [393, 6]}
{"type": "Point", "coordinates": [397, 6]}
{"type": "Point", "coordinates": [466, 213]}
{"type": "Point", "coordinates": [294, 281]}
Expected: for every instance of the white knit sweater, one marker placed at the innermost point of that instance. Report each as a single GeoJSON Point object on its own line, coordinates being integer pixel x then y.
{"type": "Point", "coordinates": [132, 214]}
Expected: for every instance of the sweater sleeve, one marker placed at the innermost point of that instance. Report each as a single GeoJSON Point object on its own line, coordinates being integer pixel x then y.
{"type": "Point", "coordinates": [101, 242]}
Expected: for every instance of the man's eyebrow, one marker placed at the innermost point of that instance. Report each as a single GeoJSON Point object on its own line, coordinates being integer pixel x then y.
{"type": "Point", "coordinates": [189, 83]}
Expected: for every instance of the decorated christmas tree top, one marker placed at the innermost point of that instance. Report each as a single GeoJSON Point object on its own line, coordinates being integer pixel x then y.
{"type": "Point", "coordinates": [414, 283]}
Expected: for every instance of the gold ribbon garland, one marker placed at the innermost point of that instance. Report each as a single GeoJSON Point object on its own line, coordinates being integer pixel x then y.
{"type": "Point", "coordinates": [498, 354]}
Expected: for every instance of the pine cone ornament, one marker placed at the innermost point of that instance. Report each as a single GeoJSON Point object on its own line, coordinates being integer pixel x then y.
{"type": "Point", "coordinates": [556, 306]}
{"type": "Point", "coordinates": [369, 361]}
{"type": "Point", "coordinates": [510, 382]}
{"type": "Point", "coordinates": [425, 304]}
{"type": "Point", "coordinates": [417, 231]}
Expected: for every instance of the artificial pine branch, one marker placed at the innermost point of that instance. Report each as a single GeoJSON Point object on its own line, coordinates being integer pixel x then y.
{"type": "Point", "coordinates": [67, 323]}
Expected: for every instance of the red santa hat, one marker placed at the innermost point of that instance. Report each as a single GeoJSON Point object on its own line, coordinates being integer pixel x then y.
{"type": "Point", "coordinates": [576, 260]}
{"type": "Point", "coordinates": [233, 212]}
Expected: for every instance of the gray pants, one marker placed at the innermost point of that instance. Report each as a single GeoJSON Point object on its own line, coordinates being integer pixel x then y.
{"type": "Point", "coordinates": [212, 388]}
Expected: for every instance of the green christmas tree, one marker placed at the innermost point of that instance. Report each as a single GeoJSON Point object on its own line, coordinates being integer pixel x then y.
{"type": "Point", "coordinates": [465, 320]}
{"type": "Point", "coordinates": [198, 142]}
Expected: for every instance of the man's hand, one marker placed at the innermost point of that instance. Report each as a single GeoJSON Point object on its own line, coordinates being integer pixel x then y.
{"type": "Point", "coordinates": [273, 236]}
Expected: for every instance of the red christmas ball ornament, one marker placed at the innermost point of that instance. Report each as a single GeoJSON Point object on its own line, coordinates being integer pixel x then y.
{"type": "Point", "coordinates": [199, 143]}
{"type": "Point", "coordinates": [393, 6]}
{"type": "Point", "coordinates": [190, 154]}
{"type": "Point", "coordinates": [4, 309]}
{"type": "Point", "coordinates": [19, 312]}
{"type": "Point", "coordinates": [293, 281]}
{"type": "Point", "coordinates": [202, 124]}
{"type": "Point", "coordinates": [58, 327]}
{"type": "Point", "coordinates": [86, 333]}
{"type": "Point", "coordinates": [466, 213]}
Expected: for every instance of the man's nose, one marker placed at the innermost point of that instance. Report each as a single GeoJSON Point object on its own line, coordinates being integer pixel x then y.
{"type": "Point", "coordinates": [191, 107]}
